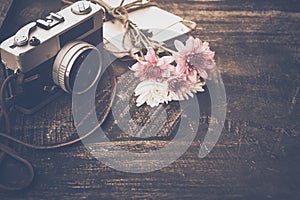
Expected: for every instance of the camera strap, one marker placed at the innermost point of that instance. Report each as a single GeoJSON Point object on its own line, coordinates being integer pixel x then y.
{"type": "Point", "coordinates": [5, 150]}
{"type": "Point", "coordinates": [5, 122]}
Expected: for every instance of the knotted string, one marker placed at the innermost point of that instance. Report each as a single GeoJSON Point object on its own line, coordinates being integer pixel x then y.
{"type": "Point", "coordinates": [137, 38]}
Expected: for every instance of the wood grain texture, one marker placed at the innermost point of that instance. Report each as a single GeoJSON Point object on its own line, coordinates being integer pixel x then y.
{"type": "Point", "coordinates": [257, 156]}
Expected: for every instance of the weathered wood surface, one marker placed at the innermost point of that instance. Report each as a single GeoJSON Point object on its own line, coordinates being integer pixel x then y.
{"type": "Point", "coordinates": [257, 155]}
{"type": "Point", "coordinates": [5, 7]}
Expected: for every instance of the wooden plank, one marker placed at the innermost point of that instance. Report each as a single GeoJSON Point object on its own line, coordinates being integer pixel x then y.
{"type": "Point", "coordinates": [6, 8]}
{"type": "Point", "coordinates": [257, 155]}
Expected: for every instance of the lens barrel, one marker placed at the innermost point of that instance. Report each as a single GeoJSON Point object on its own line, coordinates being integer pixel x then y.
{"type": "Point", "coordinates": [77, 57]}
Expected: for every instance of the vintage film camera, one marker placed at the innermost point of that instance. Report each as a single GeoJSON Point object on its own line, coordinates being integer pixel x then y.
{"type": "Point", "coordinates": [50, 52]}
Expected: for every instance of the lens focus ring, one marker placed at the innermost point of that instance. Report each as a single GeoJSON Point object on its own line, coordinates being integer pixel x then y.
{"type": "Point", "coordinates": [65, 60]}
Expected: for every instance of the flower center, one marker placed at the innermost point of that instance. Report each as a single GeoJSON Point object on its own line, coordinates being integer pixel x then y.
{"type": "Point", "coordinates": [195, 60]}
{"type": "Point", "coordinates": [176, 85]}
{"type": "Point", "coordinates": [152, 71]}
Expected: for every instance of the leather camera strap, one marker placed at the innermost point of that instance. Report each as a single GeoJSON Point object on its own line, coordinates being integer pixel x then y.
{"type": "Point", "coordinates": [5, 122]}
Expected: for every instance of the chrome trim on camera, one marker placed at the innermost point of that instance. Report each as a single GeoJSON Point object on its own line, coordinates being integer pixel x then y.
{"type": "Point", "coordinates": [28, 57]}
{"type": "Point", "coordinates": [65, 60]}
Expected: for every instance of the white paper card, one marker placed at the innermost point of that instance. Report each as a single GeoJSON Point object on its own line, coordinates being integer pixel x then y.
{"type": "Point", "coordinates": [163, 25]}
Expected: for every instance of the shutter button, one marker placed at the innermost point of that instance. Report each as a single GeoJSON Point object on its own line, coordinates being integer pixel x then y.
{"type": "Point", "coordinates": [81, 8]}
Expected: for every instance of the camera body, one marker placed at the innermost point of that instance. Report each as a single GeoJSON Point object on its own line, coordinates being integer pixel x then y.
{"type": "Point", "coordinates": [46, 52]}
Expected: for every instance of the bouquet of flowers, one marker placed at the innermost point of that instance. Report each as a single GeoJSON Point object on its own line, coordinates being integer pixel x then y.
{"type": "Point", "coordinates": [175, 77]}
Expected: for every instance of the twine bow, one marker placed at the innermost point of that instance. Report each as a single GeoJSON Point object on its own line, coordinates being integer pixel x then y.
{"type": "Point", "coordinates": [138, 39]}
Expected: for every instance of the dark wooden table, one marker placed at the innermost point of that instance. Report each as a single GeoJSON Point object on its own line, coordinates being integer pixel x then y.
{"type": "Point", "coordinates": [257, 46]}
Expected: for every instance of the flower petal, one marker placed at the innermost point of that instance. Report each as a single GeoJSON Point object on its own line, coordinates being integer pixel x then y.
{"type": "Point", "coordinates": [190, 44]}
{"type": "Point", "coordinates": [152, 93]}
{"type": "Point", "coordinates": [203, 74]}
{"type": "Point", "coordinates": [140, 88]}
{"type": "Point", "coordinates": [152, 103]}
{"type": "Point", "coordinates": [150, 56]}
{"type": "Point", "coordinates": [198, 87]}
{"type": "Point", "coordinates": [192, 76]}
{"type": "Point", "coordinates": [165, 60]}
{"type": "Point", "coordinates": [180, 60]}
{"type": "Point", "coordinates": [142, 99]}
{"type": "Point", "coordinates": [197, 42]}
{"type": "Point", "coordinates": [179, 46]}
{"type": "Point", "coordinates": [173, 96]}
{"type": "Point", "coordinates": [137, 67]}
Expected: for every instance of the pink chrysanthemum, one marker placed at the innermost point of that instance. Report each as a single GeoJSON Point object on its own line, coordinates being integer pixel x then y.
{"type": "Point", "coordinates": [194, 59]}
{"type": "Point", "coordinates": [180, 88]}
{"type": "Point", "coordinates": [153, 68]}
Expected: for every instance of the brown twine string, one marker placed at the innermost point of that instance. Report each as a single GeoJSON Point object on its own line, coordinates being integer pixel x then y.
{"type": "Point", "coordinates": [137, 39]}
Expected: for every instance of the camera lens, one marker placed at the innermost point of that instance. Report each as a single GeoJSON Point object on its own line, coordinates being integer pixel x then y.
{"type": "Point", "coordinates": [74, 58]}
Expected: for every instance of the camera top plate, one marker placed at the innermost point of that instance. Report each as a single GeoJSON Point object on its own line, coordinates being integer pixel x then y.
{"type": "Point", "coordinates": [25, 58]}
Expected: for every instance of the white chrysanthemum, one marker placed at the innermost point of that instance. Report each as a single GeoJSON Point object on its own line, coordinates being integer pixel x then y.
{"type": "Point", "coordinates": [152, 93]}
